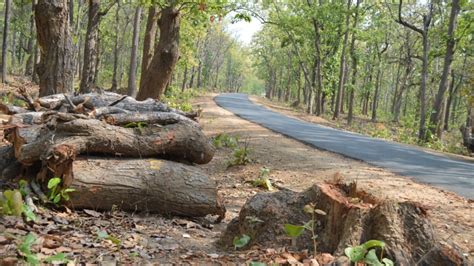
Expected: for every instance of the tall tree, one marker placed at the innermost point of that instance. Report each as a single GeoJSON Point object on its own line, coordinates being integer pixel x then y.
{"type": "Point", "coordinates": [158, 74]}
{"type": "Point", "coordinates": [437, 114]}
{"type": "Point", "coordinates": [424, 71]}
{"type": "Point", "coordinates": [30, 63]}
{"type": "Point", "coordinates": [149, 39]}
{"type": "Point", "coordinates": [132, 86]}
{"type": "Point", "coordinates": [91, 46]}
{"type": "Point", "coordinates": [6, 30]}
{"type": "Point", "coordinates": [354, 58]}
{"type": "Point", "coordinates": [55, 70]}
{"type": "Point", "coordinates": [342, 67]}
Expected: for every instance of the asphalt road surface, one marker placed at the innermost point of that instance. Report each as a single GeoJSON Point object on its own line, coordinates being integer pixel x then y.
{"type": "Point", "coordinates": [434, 169]}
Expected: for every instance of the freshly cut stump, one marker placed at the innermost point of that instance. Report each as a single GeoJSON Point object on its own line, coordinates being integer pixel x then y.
{"type": "Point", "coordinates": [353, 217]}
{"type": "Point", "coordinates": [150, 185]}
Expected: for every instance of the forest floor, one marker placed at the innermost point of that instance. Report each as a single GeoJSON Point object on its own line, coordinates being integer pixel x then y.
{"type": "Point", "coordinates": [450, 144]}
{"type": "Point", "coordinates": [116, 236]}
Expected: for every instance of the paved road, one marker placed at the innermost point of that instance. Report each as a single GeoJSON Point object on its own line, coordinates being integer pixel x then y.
{"type": "Point", "coordinates": [437, 170]}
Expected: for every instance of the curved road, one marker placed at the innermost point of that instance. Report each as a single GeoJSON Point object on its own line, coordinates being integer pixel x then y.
{"type": "Point", "coordinates": [435, 169]}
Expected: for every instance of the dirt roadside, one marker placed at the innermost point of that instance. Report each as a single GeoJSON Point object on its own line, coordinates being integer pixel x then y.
{"type": "Point", "coordinates": [296, 166]}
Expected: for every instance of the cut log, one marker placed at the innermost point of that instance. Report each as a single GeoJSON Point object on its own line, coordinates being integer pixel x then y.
{"type": "Point", "coordinates": [160, 118]}
{"type": "Point", "coordinates": [180, 141]}
{"type": "Point", "coordinates": [94, 101]}
{"type": "Point", "coordinates": [352, 218]}
{"type": "Point", "coordinates": [29, 118]}
{"type": "Point", "coordinates": [11, 109]}
{"type": "Point", "coordinates": [150, 185]}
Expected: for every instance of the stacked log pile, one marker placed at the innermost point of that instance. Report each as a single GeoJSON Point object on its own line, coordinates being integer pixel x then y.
{"type": "Point", "coordinates": [110, 148]}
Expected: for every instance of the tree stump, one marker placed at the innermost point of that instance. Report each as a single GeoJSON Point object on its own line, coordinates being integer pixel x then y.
{"type": "Point", "coordinates": [353, 217]}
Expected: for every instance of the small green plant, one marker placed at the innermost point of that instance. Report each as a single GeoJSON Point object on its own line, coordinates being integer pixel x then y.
{"type": "Point", "coordinates": [241, 156]}
{"type": "Point", "coordinates": [263, 180]}
{"type": "Point", "coordinates": [367, 253]}
{"type": "Point", "coordinates": [294, 231]}
{"type": "Point", "coordinates": [56, 192]}
{"type": "Point", "coordinates": [241, 241]}
{"type": "Point", "coordinates": [24, 248]}
{"type": "Point", "coordinates": [11, 203]}
{"type": "Point", "coordinates": [138, 125]}
{"type": "Point", "coordinates": [224, 140]}
{"type": "Point", "coordinates": [104, 235]}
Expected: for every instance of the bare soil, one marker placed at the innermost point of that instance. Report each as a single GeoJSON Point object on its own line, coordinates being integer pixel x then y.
{"type": "Point", "coordinates": [158, 239]}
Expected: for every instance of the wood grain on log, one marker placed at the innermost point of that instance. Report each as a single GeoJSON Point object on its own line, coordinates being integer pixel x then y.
{"type": "Point", "coordinates": [160, 118]}
{"type": "Point", "coordinates": [151, 185]}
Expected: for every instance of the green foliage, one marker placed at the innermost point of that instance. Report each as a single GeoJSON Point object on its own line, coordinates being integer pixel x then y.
{"type": "Point", "coordinates": [241, 241]}
{"type": "Point", "coordinates": [25, 250]}
{"type": "Point", "coordinates": [224, 140]}
{"type": "Point", "coordinates": [294, 231]}
{"type": "Point", "coordinates": [139, 125]}
{"type": "Point", "coordinates": [241, 156]}
{"type": "Point", "coordinates": [104, 235]}
{"type": "Point", "coordinates": [256, 263]}
{"type": "Point", "coordinates": [263, 180]}
{"type": "Point", "coordinates": [58, 193]}
{"type": "Point", "coordinates": [366, 253]}
{"type": "Point", "coordinates": [11, 203]}
{"type": "Point", "coordinates": [58, 258]}
{"type": "Point", "coordinates": [181, 100]}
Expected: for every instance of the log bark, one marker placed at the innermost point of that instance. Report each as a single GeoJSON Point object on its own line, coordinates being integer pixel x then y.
{"type": "Point", "coordinates": [61, 140]}
{"type": "Point", "coordinates": [353, 217]}
{"type": "Point", "coordinates": [9, 167]}
{"type": "Point", "coordinates": [149, 185]}
{"type": "Point", "coordinates": [11, 109]}
{"type": "Point", "coordinates": [94, 101]}
{"type": "Point", "coordinates": [160, 118]}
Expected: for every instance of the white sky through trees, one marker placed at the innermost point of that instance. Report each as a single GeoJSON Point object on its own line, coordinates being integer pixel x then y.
{"type": "Point", "coordinates": [244, 31]}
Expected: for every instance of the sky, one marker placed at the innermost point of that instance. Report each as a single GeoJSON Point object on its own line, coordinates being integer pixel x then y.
{"type": "Point", "coordinates": [243, 31]}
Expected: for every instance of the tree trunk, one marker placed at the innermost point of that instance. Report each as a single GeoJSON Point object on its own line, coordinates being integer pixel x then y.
{"type": "Point", "coordinates": [55, 69]}
{"type": "Point", "coordinates": [6, 30]}
{"type": "Point", "coordinates": [436, 115]}
{"type": "Point", "coordinates": [403, 226]}
{"type": "Point", "coordinates": [149, 40]}
{"type": "Point", "coordinates": [132, 86]}
{"type": "Point", "coordinates": [90, 47]}
{"type": "Point", "coordinates": [30, 62]}
{"type": "Point", "coordinates": [150, 185]}
{"type": "Point", "coordinates": [185, 78]}
{"type": "Point", "coordinates": [352, 52]}
{"type": "Point", "coordinates": [115, 84]}
{"type": "Point", "coordinates": [342, 68]}
{"type": "Point", "coordinates": [165, 58]}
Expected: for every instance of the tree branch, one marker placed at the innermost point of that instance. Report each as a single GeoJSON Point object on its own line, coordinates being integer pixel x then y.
{"type": "Point", "coordinates": [404, 23]}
